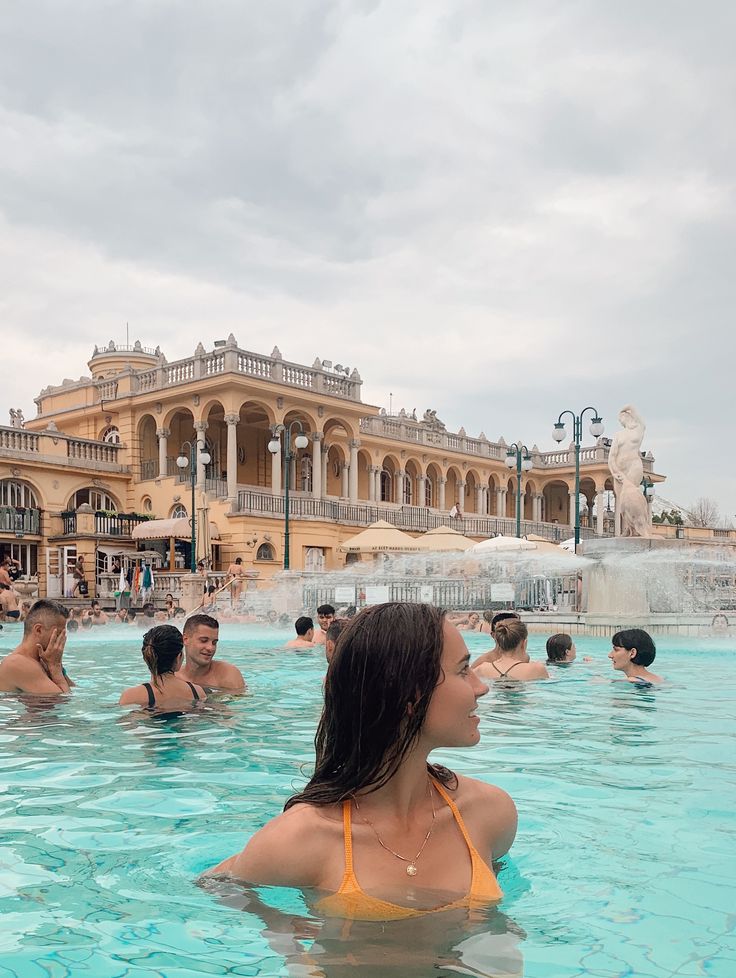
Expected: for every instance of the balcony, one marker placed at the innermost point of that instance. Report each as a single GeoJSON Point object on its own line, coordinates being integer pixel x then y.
{"type": "Point", "coordinates": [106, 524]}
{"type": "Point", "coordinates": [52, 446]}
{"type": "Point", "coordinates": [20, 521]}
{"type": "Point", "coordinates": [412, 518]}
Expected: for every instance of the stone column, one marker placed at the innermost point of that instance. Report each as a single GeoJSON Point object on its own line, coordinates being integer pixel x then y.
{"type": "Point", "coordinates": [400, 476]}
{"type": "Point", "coordinates": [344, 489]}
{"type": "Point", "coordinates": [231, 420]}
{"type": "Point", "coordinates": [163, 446]}
{"type": "Point", "coordinates": [479, 500]}
{"type": "Point", "coordinates": [572, 508]}
{"type": "Point", "coordinates": [325, 460]}
{"type": "Point", "coordinates": [441, 483]}
{"type": "Point", "coordinates": [317, 464]}
{"type": "Point", "coordinates": [276, 471]}
{"type": "Point", "coordinates": [371, 483]}
{"type": "Point", "coordinates": [422, 490]}
{"type": "Point", "coordinates": [500, 503]}
{"type": "Point", "coordinates": [461, 497]}
{"type": "Point", "coordinates": [353, 471]}
{"type": "Point", "coordinates": [200, 427]}
{"type": "Point", "coordinates": [599, 496]}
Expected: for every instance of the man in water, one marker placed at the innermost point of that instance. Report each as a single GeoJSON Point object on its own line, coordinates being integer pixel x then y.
{"type": "Point", "coordinates": [304, 634]}
{"type": "Point", "coordinates": [201, 634]}
{"type": "Point", "coordinates": [9, 602]}
{"type": "Point", "coordinates": [337, 626]}
{"type": "Point", "coordinates": [35, 666]}
{"type": "Point", "coordinates": [633, 650]}
{"type": "Point", "coordinates": [495, 652]}
{"type": "Point", "coordinates": [325, 617]}
{"type": "Point", "coordinates": [98, 616]}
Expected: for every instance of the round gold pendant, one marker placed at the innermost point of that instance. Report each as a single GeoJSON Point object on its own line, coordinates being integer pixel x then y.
{"type": "Point", "coordinates": [411, 870]}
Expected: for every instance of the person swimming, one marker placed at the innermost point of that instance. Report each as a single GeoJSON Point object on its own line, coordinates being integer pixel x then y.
{"type": "Point", "coordinates": [379, 817]}
{"type": "Point", "coordinates": [513, 662]}
{"type": "Point", "coordinates": [163, 653]}
{"type": "Point", "coordinates": [633, 650]}
{"type": "Point", "coordinates": [560, 650]}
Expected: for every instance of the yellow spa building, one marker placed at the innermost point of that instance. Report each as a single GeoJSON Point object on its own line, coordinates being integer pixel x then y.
{"type": "Point", "coordinates": [100, 459]}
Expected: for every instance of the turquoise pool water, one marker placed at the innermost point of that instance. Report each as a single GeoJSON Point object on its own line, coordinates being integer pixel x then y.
{"type": "Point", "coordinates": [624, 864]}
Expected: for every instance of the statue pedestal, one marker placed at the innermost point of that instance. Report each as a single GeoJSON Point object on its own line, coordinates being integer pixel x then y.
{"type": "Point", "coordinates": [192, 591]}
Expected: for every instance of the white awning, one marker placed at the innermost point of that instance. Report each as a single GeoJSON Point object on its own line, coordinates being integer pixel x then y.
{"type": "Point", "coordinates": [179, 528]}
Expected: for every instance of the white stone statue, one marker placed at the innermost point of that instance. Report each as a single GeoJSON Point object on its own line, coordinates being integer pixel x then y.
{"type": "Point", "coordinates": [627, 469]}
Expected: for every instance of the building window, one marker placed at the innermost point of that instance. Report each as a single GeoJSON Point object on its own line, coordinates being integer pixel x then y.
{"type": "Point", "coordinates": [265, 552]}
{"type": "Point", "coordinates": [147, 504]}
{"type": "Point", "coordinates": [386, 488]}
{"type": "Point", "coordinates": [17, 494]}
{"type": "Point", "coordinates": [179, 512]}
{"type": "Point", "coordinates": [408, 489]}
{"type": "Point", "coordinates": [111, 435]}
{"type": "Point", "coordinates": [428, 491]}
{"type": "Point", "coordinates": [314, 559]}
{"type": "Point", "coordinates": [96, 498]}
{"type": "Point", "coordinates": [305, 481]}
{"type": "Point", "coordinates": [25, 553]}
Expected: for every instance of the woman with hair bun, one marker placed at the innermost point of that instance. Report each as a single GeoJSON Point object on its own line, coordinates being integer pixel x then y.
{"type": "Point", "coordinates": [163, 652]}
{"type": "Point", "coordinates": [389, 835]}
{"type": "Point", "coordinates": [512, 661]}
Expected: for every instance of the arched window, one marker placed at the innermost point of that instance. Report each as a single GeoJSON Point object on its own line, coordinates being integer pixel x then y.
{"type": "Point", "coordinates": [17, 494]}
{"type": "Point", "coordinates": [179, 512]}
{"type": "Point", "coordinates": [428, 490]}
{"type": "Point", "coordinates": [111, 435]}
{"type": "Point", "coordinates": [386, 488]}
{"type": "Point", "coordinates": [305, 482]}
{"type": "Point", "coordinates": [98, 499]}
{"type": "Point", "coordinates": [265, 552]}
{"type": "Point", "coordinates": [408, 489]}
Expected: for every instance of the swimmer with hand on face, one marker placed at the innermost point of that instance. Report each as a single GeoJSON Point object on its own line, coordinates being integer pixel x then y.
{"type": "Point", "coordinates": [390, 834]}
{"type": "Point", "coordinates": [35, 666]}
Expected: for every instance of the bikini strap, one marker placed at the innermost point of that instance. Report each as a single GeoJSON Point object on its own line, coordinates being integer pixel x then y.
{"type": "Point", "coordinates": [443, 793]}
{"type": "Point", "coordinates": [512, 666]}
{"type": "Point", "coordinates": [195, 694]}
{"type": "Point", "coordinates": [347, 831]}
{"type": "Point", "coordinates": [151, 697]}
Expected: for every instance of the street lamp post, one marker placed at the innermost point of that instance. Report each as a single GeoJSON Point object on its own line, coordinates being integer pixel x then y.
{"type": "Point", "coordinates": [559, 434]}
{"type": "Point", "coordinates": [518, 455]}
{"type": "Point", "coordinates": [274, 447]}
{"type": "Point", "coordinates": [190, 451]}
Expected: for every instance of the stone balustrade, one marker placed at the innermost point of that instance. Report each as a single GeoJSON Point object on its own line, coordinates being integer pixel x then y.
{"type": "Point", "coordinates": [54, 446]}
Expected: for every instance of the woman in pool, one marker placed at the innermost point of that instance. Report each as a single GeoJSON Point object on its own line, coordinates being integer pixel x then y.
{"type": "Point", "coordinates": [390, 836]}
{"type": "Point", "coordinates": [163, 653]}
{"type": "Point", "coordinates": [633, 650]}
{"type": "Point", "coordinates": [512, 661]}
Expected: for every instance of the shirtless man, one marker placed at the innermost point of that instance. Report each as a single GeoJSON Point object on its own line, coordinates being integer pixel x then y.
{"type": "Point", "coordinates": [236, 572]}
{"type": "Point", "coordinates": [35, 665]}
{"type": "Point", "coordinates": [325, 617]}
{"type": "Point", "coordinates": [633, 650]}
{"type": "Point", "coordinates": [304, 634]}
{"type": "Point", "coordinates": [98, 616]}
{"type": "Point", "coordinates": [9, 602]}
{"type": "Point", "coordinates": [492, 654]}
{"type": "Point", "coordinates": [4, 573]}
{"type": "Point", "coordinates": [201, 633]}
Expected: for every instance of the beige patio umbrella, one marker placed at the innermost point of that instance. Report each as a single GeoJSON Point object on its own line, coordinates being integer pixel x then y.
{"type": "Point", "coordinates": [379, 537]}
{"type": "Point", "coordinates": [444, 538]}
{"type": "Point", "coordinates": [502, 544]}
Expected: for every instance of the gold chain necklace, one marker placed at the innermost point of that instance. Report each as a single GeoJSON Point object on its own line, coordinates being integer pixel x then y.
{"type": "Point", "coordinates": [411, 869]}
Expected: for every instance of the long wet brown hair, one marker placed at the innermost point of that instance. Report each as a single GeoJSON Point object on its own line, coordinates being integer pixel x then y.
{"type": "Point", "coordinates": [386, 665]}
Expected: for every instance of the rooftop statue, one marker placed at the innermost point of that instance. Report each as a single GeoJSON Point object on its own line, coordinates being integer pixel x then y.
{"type": "Point", "coordinates": [430, 417]}
{"type": "Point", "coordinates": [627, 469]}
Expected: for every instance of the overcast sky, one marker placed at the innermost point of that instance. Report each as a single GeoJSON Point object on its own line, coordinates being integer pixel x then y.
{"type": "Point", "coordinates": [496, 210]}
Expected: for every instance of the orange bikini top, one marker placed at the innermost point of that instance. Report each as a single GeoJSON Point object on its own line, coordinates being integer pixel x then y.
{"type": "Point", "coordinates": [351, 903]}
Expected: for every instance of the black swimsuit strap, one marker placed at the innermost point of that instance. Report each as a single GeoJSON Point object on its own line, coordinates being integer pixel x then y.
{"type": "Point", "coordinates": [503, 675]}
{"type": "Point", "coordinates": [151, 696]}
{"type": "Point", "coordinates": [193, 688]}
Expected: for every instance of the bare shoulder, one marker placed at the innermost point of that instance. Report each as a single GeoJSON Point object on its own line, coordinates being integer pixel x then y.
{"type": "Point", "coordinates": [15, 666]}
{"type": "Point", "coordinates": [490, 814]}
{"type": "Point", "coordinates": [135, 696]}
{"type": "Point", "coordinates": [277, 856]}
{"type": "Point", "coordinates": [229, 675]}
